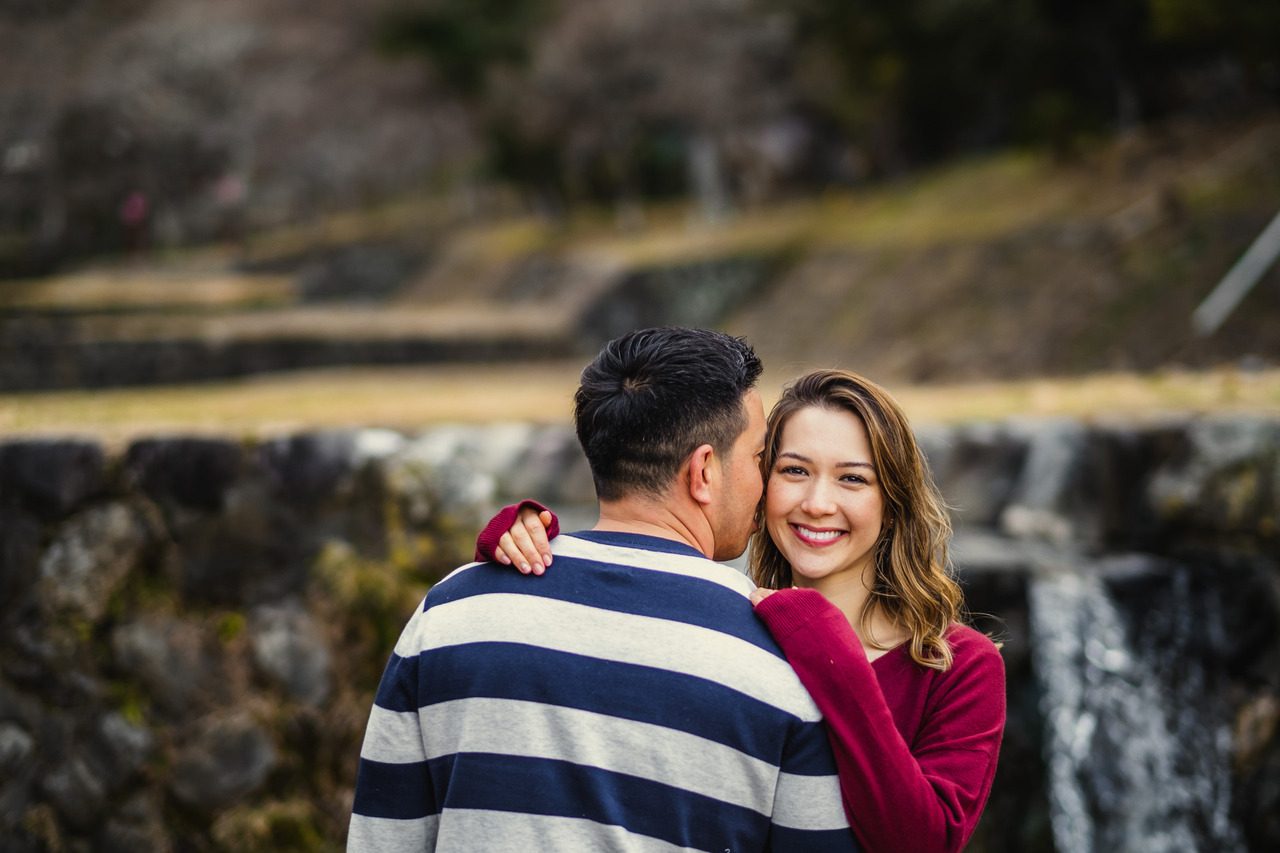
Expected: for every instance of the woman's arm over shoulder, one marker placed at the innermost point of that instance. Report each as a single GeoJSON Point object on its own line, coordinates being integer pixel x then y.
{"type": "Point", "coordinates": [926, 796]}
{"type": "Point", "coordinates": [507, 521]}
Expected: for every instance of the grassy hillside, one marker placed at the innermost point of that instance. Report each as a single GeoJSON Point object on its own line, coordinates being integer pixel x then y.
{"type": "Point", "coordinates": [962, 288]}
{"type": "Point", "coordinates": [1017, 266]}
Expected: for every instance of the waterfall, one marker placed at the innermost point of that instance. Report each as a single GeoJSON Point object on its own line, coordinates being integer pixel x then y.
{"type": "Point", "coordinates": [1136, 736]}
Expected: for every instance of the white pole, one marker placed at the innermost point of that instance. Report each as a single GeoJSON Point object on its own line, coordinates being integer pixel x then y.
{"type": "Point", "coordinates": [1238, 281]}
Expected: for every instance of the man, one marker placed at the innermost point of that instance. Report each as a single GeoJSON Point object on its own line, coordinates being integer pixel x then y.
{"type": "Point", "coordinates": [629, 700]}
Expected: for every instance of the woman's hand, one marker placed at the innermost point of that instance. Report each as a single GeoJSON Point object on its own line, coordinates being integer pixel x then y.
{"type": "Point", "coordinates": [759, 594]}
{"type": "Point", "coordinates": [525, 544]}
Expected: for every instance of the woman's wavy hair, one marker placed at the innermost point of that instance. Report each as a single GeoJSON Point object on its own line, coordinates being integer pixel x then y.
{"type": "Point", "coordinates": [913, 584]}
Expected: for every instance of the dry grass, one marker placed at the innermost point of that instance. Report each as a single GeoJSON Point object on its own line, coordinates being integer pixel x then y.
{"type": "Point", "coordinates": [410, 399]}
{"type": "Point", "coordinates": [148, 289]}
{"type": "Point", "coordinates": [1119, 396]}
{"type": "Point", "coordinates": [397, 398]}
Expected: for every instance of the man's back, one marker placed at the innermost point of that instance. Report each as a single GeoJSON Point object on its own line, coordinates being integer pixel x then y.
{"type": "Point", "coordinates": [627, 700]}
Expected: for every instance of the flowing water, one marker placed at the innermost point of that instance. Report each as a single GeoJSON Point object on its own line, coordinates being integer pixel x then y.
{"type": "Point", "coordinates": [1136, 745]}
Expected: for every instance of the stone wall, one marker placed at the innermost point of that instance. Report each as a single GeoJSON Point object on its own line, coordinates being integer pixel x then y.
{"type": "Point", "coordinates": [39, 353]}
{"type": "Point", "coordinates": [191, 630]}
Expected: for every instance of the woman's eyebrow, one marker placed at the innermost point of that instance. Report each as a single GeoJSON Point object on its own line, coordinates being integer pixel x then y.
{"type": "Point", "coordinates": [791, 454]}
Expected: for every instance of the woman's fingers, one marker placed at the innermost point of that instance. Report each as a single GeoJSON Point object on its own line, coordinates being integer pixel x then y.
{"type": "Point", "coordinates": [536, 525]}
{"type": "Point", "coordinates": [758, 595]}
{"type": "Point", "coordinates": [504, 549]}
{"type": "Point", "coordinates": [523, 551]}
{"type": "Point", "coordinates": [525, 545]}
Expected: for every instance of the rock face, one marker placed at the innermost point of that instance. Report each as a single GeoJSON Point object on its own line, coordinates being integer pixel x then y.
{"type": "Point", "coordinates": [49, 478]}
{"type": "Point", "coordinates": [191, 633]}
{"type": "Point", "coordinates": [230, 758]}
{"type": "Point", "coordinates": [290, 649]}
{"type": "Point", "coordinates": [91, 555]}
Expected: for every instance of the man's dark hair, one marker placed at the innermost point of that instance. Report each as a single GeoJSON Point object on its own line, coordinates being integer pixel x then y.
{"type": "Point", "coordinates": [652, 397]}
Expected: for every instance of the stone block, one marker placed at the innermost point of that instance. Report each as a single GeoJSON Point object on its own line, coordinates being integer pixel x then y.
{"type": "Point", "coordinates": [194, 473]}
{"type": "Point", "coordinates": [308, 469]}
{"type": "Point", "coordinates": [289, 649]}
{"type": "Point", "coordinates": [90, 557]}
{"type": "Point", "coordinates": [169, 659]}
{"type": "Point", "coordinates": [979, 473]}
{"type": "Point", "coordinates": [76, 792]}
{"type": "Point", "coordinates": [256, 549]}
{"type": "Point", "coordinates": [16, 746]}
{"type": "Point", "coordinates": [136, 827]}
{"type": "Point", "coordinates": [20, 535]}
{"type": "Point", "coordinates": [18, 752]}
{"type": "Point", "coordinates": [437, 474]}
{"type": "Point", "coordinates": [936, 442]}
{"type": "Point", "coordinates": [552, 469]}
{"type": "Point", "coordinates": [696, 293]}
{"type": "Point", "coordinates": [116, 749]}
{"type": "Point", "coordinates": [228, 759]}
{"type": "Point", "coordinates": [50, 477]}
{"type": "Point", "coordinates": [1225, 485]}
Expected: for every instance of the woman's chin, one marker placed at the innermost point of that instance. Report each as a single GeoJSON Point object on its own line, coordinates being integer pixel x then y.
{"type": "Point", "coordinates": [806, 578]}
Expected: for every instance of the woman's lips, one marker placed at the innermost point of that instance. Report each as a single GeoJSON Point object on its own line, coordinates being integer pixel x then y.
{"type": "Point", "coordinates": [817, 538]}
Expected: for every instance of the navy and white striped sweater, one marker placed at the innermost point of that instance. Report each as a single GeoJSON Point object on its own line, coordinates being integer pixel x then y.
{"type": "Point", "coordinates": [627, 700]}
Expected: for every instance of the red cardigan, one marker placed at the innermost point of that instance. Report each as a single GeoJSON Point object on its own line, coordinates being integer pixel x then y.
{"type": "Point", "coordinates": [916, 748]}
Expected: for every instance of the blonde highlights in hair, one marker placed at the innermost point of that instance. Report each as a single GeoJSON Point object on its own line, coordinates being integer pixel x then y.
{"type": "Point", "coordinates": [913, 586]}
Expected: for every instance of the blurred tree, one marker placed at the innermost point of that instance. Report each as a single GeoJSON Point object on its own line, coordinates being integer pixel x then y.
{"type": "Point", "coordinates": [464, 39]}
{"type": "Point", "coordinates": [639, 100]}
{"type": "Point", "coordinates": [610, 99]}
{"type": "Point", "coordinates": [913, 80]}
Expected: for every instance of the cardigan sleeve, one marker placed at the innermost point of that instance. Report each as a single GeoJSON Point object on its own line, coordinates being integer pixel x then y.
{"type": "Point", "coordinates": [487, 541]}
{"type": "Point", "coordinates": [922, 796]}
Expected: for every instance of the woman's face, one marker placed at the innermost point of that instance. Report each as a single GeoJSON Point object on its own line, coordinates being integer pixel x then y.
{"type": "Point", "coordinates": [823, 503]}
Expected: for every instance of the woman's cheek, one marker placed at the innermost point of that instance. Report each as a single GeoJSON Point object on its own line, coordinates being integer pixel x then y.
{"type": "Point", "coordinates": [775, 508]}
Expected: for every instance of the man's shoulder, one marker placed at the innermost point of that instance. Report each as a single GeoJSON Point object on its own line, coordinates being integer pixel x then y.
{"type": "Point", "coordinates": [644, 577]}
{"type": "Point", "coordinates": [647, 553]}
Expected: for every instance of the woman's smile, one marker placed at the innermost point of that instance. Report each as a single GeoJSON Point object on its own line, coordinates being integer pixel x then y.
{"type": "Point", "coordinates": [816, 537]}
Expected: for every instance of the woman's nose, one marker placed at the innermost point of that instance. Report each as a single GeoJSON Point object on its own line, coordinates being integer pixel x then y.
{"type": "Point", "coordinates": [817, 500]}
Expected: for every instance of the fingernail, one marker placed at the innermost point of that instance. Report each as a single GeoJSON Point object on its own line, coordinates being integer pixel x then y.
{"type": "Point", "coordinates": [524, 568]}
{"type": "Point", "coordinates": [546, 559]}
{"type": "Point", "coordinates": [537, 568]}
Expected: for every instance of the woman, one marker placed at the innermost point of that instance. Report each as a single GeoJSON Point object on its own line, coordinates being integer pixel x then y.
{"type": "Point", "coordinates": [850, 555]}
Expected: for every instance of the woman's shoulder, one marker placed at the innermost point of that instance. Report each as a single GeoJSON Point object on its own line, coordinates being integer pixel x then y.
{"type": "Point", "coordinates": [972, 649]}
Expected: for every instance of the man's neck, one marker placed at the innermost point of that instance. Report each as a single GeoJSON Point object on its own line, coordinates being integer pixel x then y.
{"type": "Point", "coordinates": [648, 517]}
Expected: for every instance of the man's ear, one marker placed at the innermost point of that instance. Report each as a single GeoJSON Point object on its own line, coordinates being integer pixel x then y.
{"type": "Point", "coordinates": [703, 468]}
